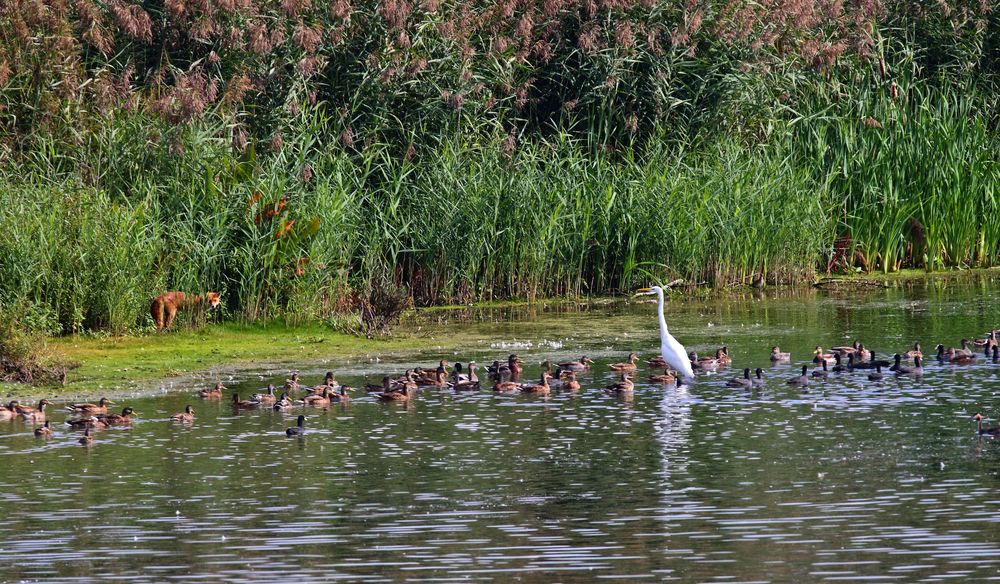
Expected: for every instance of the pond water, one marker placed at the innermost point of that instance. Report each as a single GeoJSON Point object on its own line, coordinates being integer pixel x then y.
{"type": "Point", "coordinates": [846, 480]}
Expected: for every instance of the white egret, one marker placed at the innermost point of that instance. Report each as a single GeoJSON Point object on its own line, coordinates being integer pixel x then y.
{"type": "Point", "coordinates": [673, 352]}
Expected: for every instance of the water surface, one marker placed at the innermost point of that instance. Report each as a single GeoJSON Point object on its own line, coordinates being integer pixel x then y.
{"type": "Point", "coordinates": [847, 480]}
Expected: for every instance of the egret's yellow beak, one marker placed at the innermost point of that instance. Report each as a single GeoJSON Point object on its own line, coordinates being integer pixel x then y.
{"type": "Point", "coordinates": [643, 291]}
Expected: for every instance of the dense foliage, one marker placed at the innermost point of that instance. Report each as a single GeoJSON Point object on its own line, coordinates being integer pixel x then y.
{"type": "Point", "coordinates": [304, 157]}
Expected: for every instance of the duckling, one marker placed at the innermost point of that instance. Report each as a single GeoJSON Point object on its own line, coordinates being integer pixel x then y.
{"type": "Point", "coordinates": [743, 382]}
{"type": "Point", "coordinates": [819, 355]}
{"type": "Point", "coordinates": [777, 355]}
{"type": "Point", "coordinates": [185, 417]}
{"type": "Point", "coordinates": [956, 356]}
{"type": "Point", "coordinates": [722, 355]}
{"type": "Point", "coordinates": [471, 383]}
{"type": "Point", "coordinates": [703, 363]}
{"type": "Point", "coordinates": [915, 371]}
{"type": "Point", "coordinates": [627, 366]}
{"type": "Point", "coordinates": [44, 431]}
{"type": "Point", "coordinates": [876, 375]}
{"type": "Point", "coordinates": [125, 419]}
{"type": "Point", "coordinates": [577, 366]}
{"type": "Point", "coordinates": [821, 373]}
{"type": "Point", "coordinates": [283, 403]}
{"type": "Point", "coordinates": [214, 393]}
{"type": "Point", "coordinates": [320, 399]}
{"type": "Point", "coordinates": [622, 387]}
{"type": "Point", "coordinates": [758, 380]}
{"type": "Point", "coordinates": [541, 388]}
{"type": "Point", "coordinates": [101, 407]}
{"type": "Point", "coordinates": [800, 379]}
{"type": "Point", "coordinates": [570, 383]}
{"type": "Point", "coordinates": [33, 414]}
{"type": "Point", "coordinates": [298, 429]}
{"type": "Point", "coordinates": [265, 398]}
{"type": "Point", "coordinates": [87, 439]}
{"type": "Point", "coordinates": [914, 352]}
{"type": "Point", "coordinates": [293, 383]}
{"type": "Point", "coordinates": [995, 431]}
{"type": "Point", "coordinates": [244, 404]}
{"type": "Point", "coordinates": [667, 377]}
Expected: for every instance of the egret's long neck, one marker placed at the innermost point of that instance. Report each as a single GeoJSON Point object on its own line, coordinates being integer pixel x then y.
{"type": "Point", "coordinates": [663, 321]}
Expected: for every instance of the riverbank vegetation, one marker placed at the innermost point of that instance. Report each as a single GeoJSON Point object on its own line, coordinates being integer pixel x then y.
{"type": "Point", "coordinates": [315, 160]}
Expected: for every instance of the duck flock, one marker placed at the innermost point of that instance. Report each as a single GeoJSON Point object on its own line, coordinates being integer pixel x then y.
{"type": "Point", "coordinates": [505, 378]}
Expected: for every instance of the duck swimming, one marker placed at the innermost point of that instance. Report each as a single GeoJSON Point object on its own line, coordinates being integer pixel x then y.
{"type": "Point", "coordinates": [293, 383]}
{"type": "Point", "coordinates": [283, 403]}
{"type": "Point", "coordinates": [582, 365]}
{"type": "Point", "coordinates": [914, 352]}
{"type": "Point", "coordinates": [821, 373]}
{"type": "Point", "coordinates": [44, 431]}
{"type": "Point", "coordinates": [622, 387]}
{"type": "Point", "coordinates": [471, 381]}
{"type": "Point", "coordinates": [915, 371]}
{"type": "Point", "coordinates": [87, 439]}
{"type": "Point", "coordinates": [243, 404]}
{"type": "Point", "coordinates": [627, 366]}
{"type": "Point", "coordinates": [319, 399]}
{"type": "Point", "coordinates": [214, 393]}
{"type": "Point", "coordinates": [777, 355]}
{"type": "Point", "coordinates": [743, 382]}
{"type": "Point", "coordinates": [570, 383]}
{"type": "Point", "coordinates": [33, 414]}
{"type": "Point", "coordinates": [703, 363]}
{"type": "Point", "coordinates": [819, 355]}
{"type": "Point", "coordinates": [101, 407]}
{"type": "Point", "coordinates": [666, 377]}
{"type": "Point", "coordinates": [9, 411]}
{"type": "Point", "coordinates": [759, 377]}
{"type": "Point", "coordinates": [185, 417]}
{"type": "Point", "coordinates": [987, 431]}
{"type": "Point", "coordinates": [124, 419]}
{"type": "Point", "coordinates": [265, 398]}
{"type": "Point", "coordinates": [876, 375]}
{"type": "Point", "coordinates": [540, 388]}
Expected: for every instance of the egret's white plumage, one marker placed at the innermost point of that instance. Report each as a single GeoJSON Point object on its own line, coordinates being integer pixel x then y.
{"type": "Point", "coordinates": [673, 352]}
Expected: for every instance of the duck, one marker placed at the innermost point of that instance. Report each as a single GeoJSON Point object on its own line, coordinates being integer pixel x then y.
{"type": "Point", "coordinates": [436, 378]}
{"type": "Point", "coordinates": [577, 366]}
{"type": "Point", "coordinates": [283, 403]}
{"type": "Point", "coordinates": [872, 363]}
{"type": "Point", "coordinates": [293, 384]}
{"type": "Point", "coordinates": [958, 357]}
{"type": "Point", "coordinates": [840, 367]}
{"type": "Point", "coordinates": [244, 404]}
{"type": "Point", "coordinates": [915, 371]}
{"type": "Point", "coordinates": [298, 429]}
{"type": "Point", "coordinates": [87, 439]}
{"type": "Point", "coordinates": [506, 387]}
{"type": "Point", "coordinates": [496, 371]}
{"type": "Point", "coordinates": [329, 382]}
{"type": "Point", "coordinates": [457, 375]}
{"type": "Point", "coordinates": [540, 388]}
{"type": "Point", "coordinates": [965, 348]}
{"type": "Point", "coordinates": [722, 355]}
{"type": "Point", "coordinates": [876, 375]}
{"type": "Point", "coordinates": [703, 363]}
{"type": "Point", "coordinates": [265, 398]}
{"type": "Point", "coordinates": [819, 355]}
{"type": "Point", "coordinates": [800, 379]}
{"type": "Point", "coordinates": [214, 393]}
{"type": "Point", "coordinates": [101, 407]}
{"type": "Point", "coordinates": [758, 379]}
{"type": "Point", "coordinates": [627, 366]}
{"type": "Point", "coordinates": [743, 382]}
{"type": "Point", "coordinates": [123, 419]}
{"type": "Point", "coordinates": [514, 364]}
{"type": "Point", "coordinates": [406, 380]}
{"type": "Point", "coordinates": [570, 383]}
{"type": "Point", "coordinates": [914, 352]}
{"type": "Point", "coordinates": [89, 422]}
{"type": "Point", "coordinates": [44, 431]}
{"type": "Point", "coordinates": [666, 377]}
{"type": "Point", "coordinates": [995, 431]}
{"type": "Point", "coordinates": [36, 414]}
{"type": "Point", "coordinates": [845, 351]}
{"type": "Point", "coordinates": [821, 373]}
{"type": "Point", "coordinates": [319, 399]}
{"type": "Point", "coordinates": [470, 383]}
{"type": "Point", "coordinates": [8, 411]}
{"type": "Point", "coordinates": [657, 362]}
{"type": "Point", "coordinates": [341, 397]}
{"type": "Point", "coordinates": [987, 341]}
{"type": "Point", "coordinates": [388, 394]}
{"type": "Point", "coordinates": [622, 387]}
{"type": "Point", "coordinates": [777, 355]}
{"type": "Point", "coordinates": [186, 417]}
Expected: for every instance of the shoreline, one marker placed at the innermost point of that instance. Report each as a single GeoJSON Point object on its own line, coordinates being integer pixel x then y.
{"type": "Point", "coordinates": [150, 364]}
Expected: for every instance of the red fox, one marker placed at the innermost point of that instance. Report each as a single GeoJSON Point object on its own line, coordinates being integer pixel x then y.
{"type": "Point", "coordinates": [166, 305]}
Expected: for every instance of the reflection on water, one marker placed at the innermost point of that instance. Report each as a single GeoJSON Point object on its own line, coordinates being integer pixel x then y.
{"type": "Point", "coordinates": [846, 479]}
